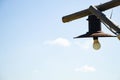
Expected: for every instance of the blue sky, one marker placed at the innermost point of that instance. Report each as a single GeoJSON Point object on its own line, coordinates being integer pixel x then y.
{"type": "Point", "coordinates": [36, 45]}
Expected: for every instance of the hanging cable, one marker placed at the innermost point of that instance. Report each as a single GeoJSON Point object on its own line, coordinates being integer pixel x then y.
{"type": "Point", "coordinates": [111, 14]}
{"type": "Point", "coordinates": [110, 28]}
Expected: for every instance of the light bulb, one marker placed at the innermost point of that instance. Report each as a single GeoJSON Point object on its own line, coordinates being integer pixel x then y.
{"type": "Point", "coordinates": [118, 37]}
{"type": "Point", "coordinates": [96, 44]}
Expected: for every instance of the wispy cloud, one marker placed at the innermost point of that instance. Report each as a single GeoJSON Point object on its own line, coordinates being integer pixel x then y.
{"type": "Point", "coordinates": [59, 42]}
{"type": "Point", "coordinates": [85, 68]}
{"type": "Point", "coordinates": [85, 44]}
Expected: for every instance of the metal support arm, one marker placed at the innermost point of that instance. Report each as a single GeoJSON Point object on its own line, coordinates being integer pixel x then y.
{"type": "Point", "coordinates": [86, 12]}
{"type": "Point", "coordinates": [104, 19]}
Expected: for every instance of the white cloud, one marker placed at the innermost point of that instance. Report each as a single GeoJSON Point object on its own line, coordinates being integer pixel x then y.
{"type": "Point", "coordinates": [60, 42]}
{"type": "Point", "coordinates": [83, 44]}
{"type": "Point", "coordinates": [85, 68]}
{"type": "Point", "coordinates": [86, 44]}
